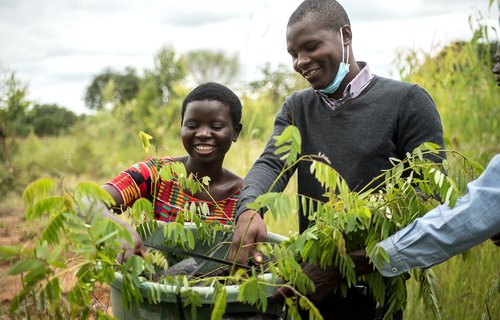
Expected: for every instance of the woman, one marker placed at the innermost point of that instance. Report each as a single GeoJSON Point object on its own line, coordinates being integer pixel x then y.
{"type": "Point", "coordinates": [210, 123]}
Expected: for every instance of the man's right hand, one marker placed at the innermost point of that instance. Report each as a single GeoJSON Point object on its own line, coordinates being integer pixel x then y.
{"type": "Point", "coordinates": [250, 229]}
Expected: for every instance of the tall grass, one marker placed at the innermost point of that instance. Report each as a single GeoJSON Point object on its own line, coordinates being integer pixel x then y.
{"type": "Point", "coordinates": [460, 81]}
{"type": "Point", "coordinates": [467, 288]}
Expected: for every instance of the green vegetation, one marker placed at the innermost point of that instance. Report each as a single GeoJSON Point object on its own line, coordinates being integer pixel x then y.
{"type": "Point", "coordinates": [460, 81]}
{"type": "Point", "coordinates": [96, 147]}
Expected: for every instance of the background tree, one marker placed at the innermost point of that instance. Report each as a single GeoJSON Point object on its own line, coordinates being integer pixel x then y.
{"type": "Point", "coordinates": [125, 87]}
{"type": "Point", "coordinates": [169, 69]}
{"type": "Point", "coordinates": [50, 119]}
{"type": "Point", "coordinates": [13, 106]}
{"type": "Point", "coordinates": [157, 103]}
{"type": "Point", "coordinates": [278, 83]}
{"type": "Point", "coordinates": [210, 65]}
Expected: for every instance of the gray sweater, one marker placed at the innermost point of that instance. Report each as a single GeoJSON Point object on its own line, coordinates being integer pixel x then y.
{"type": "Point", "coordinates": [388, 119]}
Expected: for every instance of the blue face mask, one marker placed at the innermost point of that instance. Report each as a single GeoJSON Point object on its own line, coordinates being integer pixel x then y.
{"type": "Point", "coordinates": [341, 73]}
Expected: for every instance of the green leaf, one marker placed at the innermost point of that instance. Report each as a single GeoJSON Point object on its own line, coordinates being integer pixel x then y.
{"type": "Point", "coordinates": [45, 207]}
{"type": "Point", "coordinates": [37, 190]}
{"type": "Point", "coordinates": [24, 266]}
{"type": "Point", "coordinates": [37, 274]}
{"type": "Point", "coordinates": [192, 298]}
{"type": "Point", "coordinates": [253, 293]}
{"type": "Point", "coordinates": [292, 140]}
{"type": "Point", "coordinates": [52, 230]}
{"type": "Point", "coordinates": [142, 207]}
{"type": "Point", "coordinates": [190, 239]}
{"type": "Point", "coordinates": [427, 291]}
{"type": "Point", "coordinates": [9, 252]}
{"type": "Point", "coordinates": [219, 306]}
{"type": "Point", "coordinates": [19, 299]}
{"type": "Point", "coordinates": [53, 290]}
{"type": "Point", "coordinates": [92, 191]}
{"type": "Point", "coordinates": [145, 140]}
{"type": "Point", "coordinates": [106, 237]}
{"type": "Point", "coordinates": [134, 265]}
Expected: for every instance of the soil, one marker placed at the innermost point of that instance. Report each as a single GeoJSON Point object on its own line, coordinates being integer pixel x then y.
{"type": "Point", "coordinates": [14, 231]}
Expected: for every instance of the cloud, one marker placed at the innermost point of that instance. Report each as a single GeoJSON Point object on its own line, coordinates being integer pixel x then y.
{"type": "Point", "coordinates": [383, 11]}
{"type": "Point", "coordinates": [57, 46]}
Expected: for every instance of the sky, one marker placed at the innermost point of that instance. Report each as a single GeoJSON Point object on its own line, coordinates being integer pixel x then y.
{"type": "Point", "coordinates": [56, 47]}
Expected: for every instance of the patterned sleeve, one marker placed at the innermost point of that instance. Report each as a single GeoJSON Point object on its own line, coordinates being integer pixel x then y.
{"type": "Point", "coordinates": [137, 181]}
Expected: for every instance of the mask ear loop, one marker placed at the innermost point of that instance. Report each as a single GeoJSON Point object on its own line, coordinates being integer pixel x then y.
{"type": "Point", "coordinates": [342, 41]}
{"type": "Point", "coordinates": [347, 60]}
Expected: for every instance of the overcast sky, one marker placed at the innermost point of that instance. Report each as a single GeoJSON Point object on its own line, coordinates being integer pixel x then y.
{"type": "Point", "coordinates": [57, 46]}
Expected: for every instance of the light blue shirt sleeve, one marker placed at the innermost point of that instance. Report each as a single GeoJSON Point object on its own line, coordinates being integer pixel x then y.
{"type": "Point", "coordinates": [444, 232]}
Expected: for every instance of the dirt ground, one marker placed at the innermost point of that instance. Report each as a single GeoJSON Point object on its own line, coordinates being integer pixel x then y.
{"type": "Point", "coordinates": [13, 231]}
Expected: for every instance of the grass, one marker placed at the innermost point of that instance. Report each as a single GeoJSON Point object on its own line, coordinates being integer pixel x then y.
{"type": "Point", "coordinates": [466, 288]}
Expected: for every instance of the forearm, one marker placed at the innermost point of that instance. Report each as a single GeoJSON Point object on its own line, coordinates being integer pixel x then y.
{"type": "Point", "coordinates": [263, 174]}
{"type": "Point", "coordinates": [97, 209]}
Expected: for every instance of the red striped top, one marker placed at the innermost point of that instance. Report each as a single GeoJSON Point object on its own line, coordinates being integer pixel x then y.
{"type": "Point", "coordinates": [142, 180]}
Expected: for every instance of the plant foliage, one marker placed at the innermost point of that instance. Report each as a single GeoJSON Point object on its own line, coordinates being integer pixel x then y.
{"type": "Point", "coordinates": [86, 245]}
{"type": "Point", "coordinates": [349, 221]}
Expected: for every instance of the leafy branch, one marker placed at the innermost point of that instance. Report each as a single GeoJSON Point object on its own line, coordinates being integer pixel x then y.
{"type": "Point", "coordinates": [349, 221]}
{"type": "Point", "coordinates": [87, 245]}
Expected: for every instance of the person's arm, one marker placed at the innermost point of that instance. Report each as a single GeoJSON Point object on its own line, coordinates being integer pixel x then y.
{"type": "Point", "coordinates": [250, 226]}
{"type": "Point", "coordinates": [444, 232]}
{"type": "Point", "coordinates": [418, 122]}
{"type": "Point", "coordinates": [134, 183]}
{"type": "Point", "coordinates": [137, 247]}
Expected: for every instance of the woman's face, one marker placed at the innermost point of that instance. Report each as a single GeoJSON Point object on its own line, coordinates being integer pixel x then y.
{"type": "Point", "coordinates": [207, 130]}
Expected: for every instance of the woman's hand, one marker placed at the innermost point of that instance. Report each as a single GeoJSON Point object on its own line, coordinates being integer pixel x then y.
{"type": "Point", "coordinates": [128, 251]}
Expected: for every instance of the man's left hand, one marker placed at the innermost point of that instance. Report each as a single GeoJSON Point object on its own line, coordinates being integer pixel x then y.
{"type": "Point", "coordinates": [325, 281]}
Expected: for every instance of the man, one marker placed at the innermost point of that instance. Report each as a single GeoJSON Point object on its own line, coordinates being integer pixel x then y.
{"type": "Point", "coordinates": [357, 119]}
{"type": "Point", "coordinates": [435, 237]}
{"type": "Point", "coordinates": [496, 68]}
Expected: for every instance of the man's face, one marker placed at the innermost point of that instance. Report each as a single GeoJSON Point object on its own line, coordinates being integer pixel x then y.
{"type": "Point", "coordinates": [496, 68]}
{"type": "Point", "coordinates": [316, 52]}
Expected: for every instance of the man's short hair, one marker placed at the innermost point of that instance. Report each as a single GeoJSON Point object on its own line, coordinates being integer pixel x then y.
{"type": "Point", "coordinates": [328, 13]}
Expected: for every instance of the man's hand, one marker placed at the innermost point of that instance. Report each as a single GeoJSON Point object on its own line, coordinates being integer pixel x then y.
{"type": "Point", "coordinates": [250, 229]}
{"type": "Point", "coordinates": [325, 281]}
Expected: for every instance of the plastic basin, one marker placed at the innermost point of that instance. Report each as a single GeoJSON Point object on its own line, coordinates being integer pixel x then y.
{"type": "Point", "coordinates": [171, 304]}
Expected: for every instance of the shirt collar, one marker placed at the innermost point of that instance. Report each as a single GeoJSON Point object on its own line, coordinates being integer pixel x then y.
{"type": "Point", "coordinates": [358, 84]}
